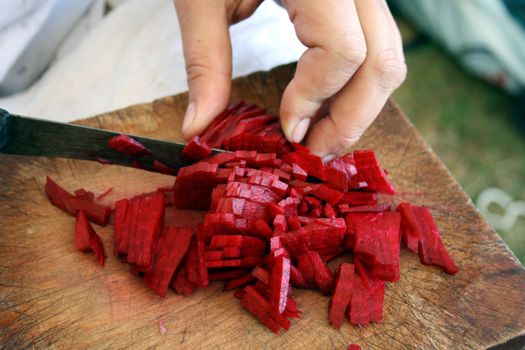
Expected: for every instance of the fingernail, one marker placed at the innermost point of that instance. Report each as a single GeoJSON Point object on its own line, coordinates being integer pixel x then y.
{"type": "Point", "coordinates": [329, 157]}
{"type": "Point", "coordinates": [300, 130]}
{"type": "Point", "coordinates": [189, 117]}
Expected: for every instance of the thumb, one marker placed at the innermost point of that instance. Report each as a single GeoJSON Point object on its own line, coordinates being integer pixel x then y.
{"type": "Point", "coordinates": [208, 56]}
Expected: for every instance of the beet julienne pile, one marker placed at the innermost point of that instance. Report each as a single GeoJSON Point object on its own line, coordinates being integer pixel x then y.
{"type": "Point", "coordinates": [276, 215]}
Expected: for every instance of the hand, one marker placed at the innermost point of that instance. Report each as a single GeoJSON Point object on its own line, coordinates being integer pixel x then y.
{"type": "Point", "coordinates": [353, 64]}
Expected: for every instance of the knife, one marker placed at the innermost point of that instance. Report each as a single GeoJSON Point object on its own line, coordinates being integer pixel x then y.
{"type": "Point", "coordinates": [26, 136]}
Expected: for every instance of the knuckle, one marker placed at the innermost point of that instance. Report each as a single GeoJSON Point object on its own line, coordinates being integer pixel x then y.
{"type": "Point", "coordinates": [347, 135]}
{"type": "Point", "coordinates": [196, 71]}
{"type": "Point", "coordinates": [352, 51]}
{"type": "Point", "coordinates": [390, 69]}
{"type": "Point", "coordinates": [198, 68]}
{"type": "Point", "coordinates": [351, 136]}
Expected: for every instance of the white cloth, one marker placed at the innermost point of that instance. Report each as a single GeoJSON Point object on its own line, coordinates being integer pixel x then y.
{"type": "Point", "coordinates": [30, 34]}
{"type": "Point", "coordinates": [134, 55]}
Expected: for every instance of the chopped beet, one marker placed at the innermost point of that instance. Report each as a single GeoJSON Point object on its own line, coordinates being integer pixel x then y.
{"type": "Point", "coordinates": [359, 309]}
{"type": "Point", "coordinates": [83, 194]}
{"type": "Point", "coordinates": [262, 275]}
{"type": "Point", "coordinates": [146, 220]}
{"type": "Point", "coordinates": [323, 238]}
{"type": "Point", "coordinates": [257, 305]}
{"type": "Point", "coordinates": [341, 294]}
{"type": "Point", "coordinates": [86, 239]}
{"type": "Point", "coordinates": [279, 283]}
{"type": "Point", "coordinates": [72, 205]}
{"type": "Point", "coordinates": [171, 253]}
{"type": "Point", "coordinates": [276, 214]}
{"type": "Point", "coordinates": [345, 164]}
{"type": "Point", "coordinates": [238, 282]}
{"type": "Point", "coordinates": [263, 228]}
{"type": "Point", "coordinates": [376, 242]}
{"type": "Point", "coordinates": [195, 150]}
{"type": "Point", "coordinates": [314, 166]}
{"type": "Point", "coordinates": [369, 173]}
{"type": "Point", "coordinates": [377, 296]}
{"type": "Point", "coordinates": [359, 198]}
{"type": "Point", "coordinates": [244, 262]}
{"type": "Point", "coordinates": [181, 285]}
{"type": "Point", "coordinates": [323, 277]}
{"type": "Point", "coordinates": [296, 278]}
{"type": "Point", "coordinates": [121, 228]}
{"type": "Point", "coordinates": [306, 269]}
{"type": "Point", "coordinates": [329, 211]}
{"type": "Point", "coordinates": [195, 267]}
{"type": "Point", "coordinates": [224, 275]}
{"type": "Point", "coordinates": [293, 222]}
{"type": "Point", "coordinates": [128, 146]}
{"type": "Point", "coordinates": [162, 168]}
{"type": "Point", "coordinates": [417, 222]}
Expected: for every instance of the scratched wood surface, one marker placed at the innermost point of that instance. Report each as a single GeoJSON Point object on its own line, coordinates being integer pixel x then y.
{"type": "Point", "coordinates": [53, 296]}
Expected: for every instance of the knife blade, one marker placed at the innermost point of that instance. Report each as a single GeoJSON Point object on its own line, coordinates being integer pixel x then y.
{"type": "Point", "coordinates": [20, 135]}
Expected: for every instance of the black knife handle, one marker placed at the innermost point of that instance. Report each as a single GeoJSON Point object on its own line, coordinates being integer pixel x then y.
{"type": "Point", "coordinates": [4, 128]}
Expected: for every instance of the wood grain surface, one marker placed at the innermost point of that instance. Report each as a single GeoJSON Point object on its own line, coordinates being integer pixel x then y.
{"type": "Point", "coordinates": [53, 296]}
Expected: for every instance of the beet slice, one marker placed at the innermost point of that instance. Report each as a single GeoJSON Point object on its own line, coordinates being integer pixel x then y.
{"type": "Point", "coordinates": [83, 194]}
{"type": "Point", "coordinates": [162, 168]}
{"type": "Point", "coordinates": [358, 312]}
{"type": "Point", "coordinates": [369, 173]}
{"type": "Point", "coordinates": [121, 228]}
{"type": "Point", "coordinates": [72, 205]}
{"type": "Point", "coordinates": [195, 150]}
{"type": "Point", "coordinates": [127, 145]}
{"type": "Point", "coordinates": [345, 164]}
{"type": "Point", "coordinates": [377, 296]}
{"type": "Point", "coordinates": [323, 277]}
{"type": "Point", "coordinates": [296, 278]}
{"type": "Point", "coordinates": [359, 198]}
{"type": "Point", "coordinates": [258, 306]}
{"type": "Point", "coordinates": [181, 285]}
{"type": "Point", "coordinates": [376, 241]}
{"type": "Point", "coordinates": [173, 250]}
{"type": "Point", "coordinates": [238, 282]}
{"type": "Point", "coordinates": [195, 267]}
{"type": "Point", "coordinates": [225, 275]}
{"type": "Point", "coordinates": [86, 239]}
{"type": "Point", "coordinates": [417, 221]}
{"type": "Point", "coordinates": [323, 237]}
{"type": "Point", "coordinates": [315, 167]}
{"type": "Point", "coordinates": [341, 294]}
{"type": "Point", "coordinates": [262, 275]}
{"type": "Point", "coordinates": [279, 283]}
{"type": "Point", "coordinates": [147, 218]}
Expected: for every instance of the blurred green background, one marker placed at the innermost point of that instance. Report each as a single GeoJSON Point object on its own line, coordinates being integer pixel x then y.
{"type": "Point", "coordinates": [468, 123]}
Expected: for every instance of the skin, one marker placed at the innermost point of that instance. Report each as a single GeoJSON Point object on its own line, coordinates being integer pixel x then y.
{"type": "Point", "coordinates": [353, 63]}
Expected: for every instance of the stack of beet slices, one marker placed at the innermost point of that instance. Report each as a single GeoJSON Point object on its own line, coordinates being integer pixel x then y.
{"type": "Point", "coordinates": [276, 215]}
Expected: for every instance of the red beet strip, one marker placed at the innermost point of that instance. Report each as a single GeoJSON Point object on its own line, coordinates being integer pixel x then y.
{"type": "Point", "coordinates": [420, 224]}
{"type": "Point", "coordinates": [171, 253]}
{"type": "Point", "coordinates": [128, 146]}
{"type": "Point", "coordinates": [72, 205]}
{"type": "Point", "coordinates": [86, 239]}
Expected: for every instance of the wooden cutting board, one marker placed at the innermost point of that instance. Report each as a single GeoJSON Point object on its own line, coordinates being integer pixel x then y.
{"type": "Point", "coordinates": [53, 296]}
